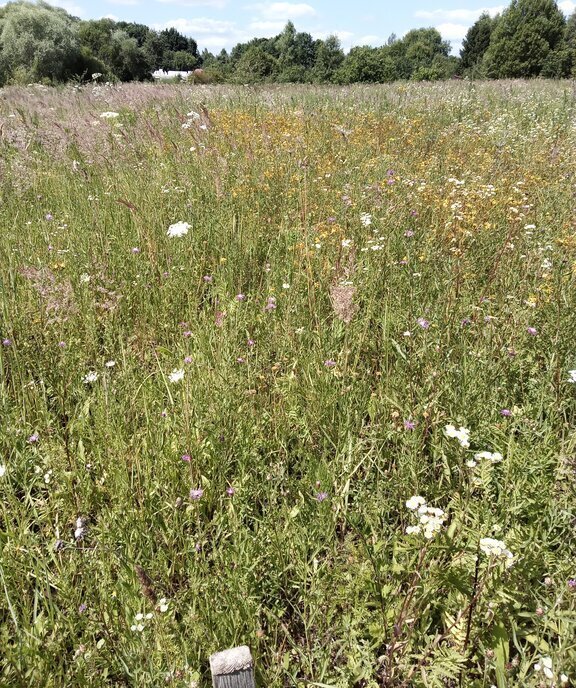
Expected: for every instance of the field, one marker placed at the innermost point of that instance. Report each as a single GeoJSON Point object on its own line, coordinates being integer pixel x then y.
{"type": "Point", "coordinates": [288, 367]}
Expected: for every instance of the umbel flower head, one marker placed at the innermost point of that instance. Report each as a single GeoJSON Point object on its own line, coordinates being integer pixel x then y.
{"type": "Point", "coordinates": [430, 518]}
{"type": "Point", "coordinates": [178, 229]}
{"type": "Point", "coordinates": [461, 434]}
{"type": "Point", "coordinates": [496, 549]}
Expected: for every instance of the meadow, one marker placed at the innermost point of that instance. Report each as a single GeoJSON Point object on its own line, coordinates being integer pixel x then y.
{"type": "Point", "coordinates": [290, 367]}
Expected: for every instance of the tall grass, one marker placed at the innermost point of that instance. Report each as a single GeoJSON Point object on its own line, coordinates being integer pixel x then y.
{"type": "Point", "coordinates": [211, 439]}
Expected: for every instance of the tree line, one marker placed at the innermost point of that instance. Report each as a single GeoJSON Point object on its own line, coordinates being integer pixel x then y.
{"type": "Point", "coordinates": [42, 43]}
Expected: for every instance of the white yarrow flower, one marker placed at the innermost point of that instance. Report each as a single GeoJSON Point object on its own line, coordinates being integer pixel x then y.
{"type": "Point", "coordinates": [2, 470]}
{"type": "Point", "coordinates": [177, 375]}
{"type": "Point", "coordinates": [461, 434]}
{"type": "Point", "coordinates": [545, 666]}
{"type": "Point", "coordinates": [110, 364]}
{"type": "Point", "coordinates": [496, 548]}
{"type": "Point", "coordinates": [414, 502]}
{"type": "Point", "coordinates": [572, 374]}
{"type": "Point", "coordinates": [178, 229]}
{"type": "Point", "coordinates": [365, 219]}
{"type": "Point", "coordinates": [109, 115]}
{"type": "Point", "coordinates": [92, 376]}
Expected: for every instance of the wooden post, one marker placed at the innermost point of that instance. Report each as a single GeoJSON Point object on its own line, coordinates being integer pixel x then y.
{"type": "Point", "coordinates": [233, 668]}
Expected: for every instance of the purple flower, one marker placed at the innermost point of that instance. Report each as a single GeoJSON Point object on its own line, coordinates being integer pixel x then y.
{"type": "Point", "coordinates": [465, 322]}
{"type": "Point", "coordinates": [196, 494]}
{"type": "Point", "coordinates": [331, 219]}
{"type": "Point", "coordinates": [188, 359]}
{"type": "Point", "coordinates": [409, 424]}
{"type": "Point", "coordinates": [82, 608]}
{"type": "Point", "coordinates": [135, 249]}
{"type": "Point", "coordinates": [34, 437]}
{"type": "Point", "coordinates": [187, 333]}
{"type": "Point", "coordinates": [49, 216]}
{"type": "Point", "coordinates": [408, 233]}
{"type": "Point", "coordinates": [532, 331]}
{"type": "Point", "coordinates": [390, 173]}
{"type": "Point", "coordinates": [321, 496]}
{"type": "Point", "coordinates": [230, 491]}
{"type": "Point", "coordinates": [506, 412]}
{"type": "Point", "coordinates": [186, 457]}
{"type": "Point", "coordinates": [250, 342]}
{"type": "Point", "coordinates": [329, 363]}
{"type": "Point", "coordinates": [572, 583]}
{"type": "Point", "coordinates": [208, 279]}
{"type": "Point", "coordinates": [7, 342]}
{"type": "Point", "coordinates": [424, 324]}
{"type": "Point", "coordinates": [62, 345]}
{"type": "Point", "coordinates": [270, 304]}
{"type": "Point", "coordinates": [240, 297]}
{"type": "Point", "coordinates": [240, 359]}
{"type": "Point", "coordinates": [414, 213]}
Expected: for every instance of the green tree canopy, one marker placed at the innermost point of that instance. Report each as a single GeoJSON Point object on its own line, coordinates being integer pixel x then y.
{"type": "Point", "coordinates": [524, 37]}
{"type": "Point", "coordinates": [476, 43]}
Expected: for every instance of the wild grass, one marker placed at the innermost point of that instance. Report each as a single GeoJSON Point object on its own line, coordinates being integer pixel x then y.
{"type": "Point", "coordinates": [210, 439]}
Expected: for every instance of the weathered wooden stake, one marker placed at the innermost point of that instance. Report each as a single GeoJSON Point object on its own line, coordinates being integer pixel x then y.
{"type": "Point", "coordinates": [233, 668]}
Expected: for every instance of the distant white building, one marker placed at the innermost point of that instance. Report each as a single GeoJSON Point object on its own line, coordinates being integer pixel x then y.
{"type": "Point", "coordinates": [170, 74]}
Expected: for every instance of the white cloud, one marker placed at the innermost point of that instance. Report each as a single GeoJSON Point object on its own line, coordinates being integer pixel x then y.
{"type": "Point", "coordinates": [201, 25]}
{"type": "Point", "coordinates": [113, 17]}
{"type": "Point", "coordinates": [123, 2]}
{"type": "Point", "coordinates": [267, 27]}
{"type": "Point", "coordinates": [371, 39]}
{"type": "Point", "coordinates": [567, 6]}
{"type": "Point", "coordinates": [283, 11]}
{"type": "Point", "coordinates": [463, 15]}
{"type": "Point", "coordinates": [452, 32]}
{"type": "Point", "coordinates": [216, 4]}
{"type": "Point", "coordinates": [70, 7]}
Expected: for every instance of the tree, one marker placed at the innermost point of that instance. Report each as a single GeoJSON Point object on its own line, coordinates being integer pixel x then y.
{"type": "Point", "coordinates": [329, 56]}
{"type": "Point", "coordinates": [476, 43]}
{"type": "Point", "coordinates": [524, 37]}
{"type": "Point", "coordinates": [366, 64]}
{"type": "Point", "coordinates": [421, 55]}
{"type": "Point", "coordinates": [255, 65]}
{"type": "Point", "coordinates": [37, 42]}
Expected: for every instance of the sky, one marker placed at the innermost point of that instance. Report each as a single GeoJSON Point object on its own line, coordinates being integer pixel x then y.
{"type": "Point", "coordinates": [217, 24]}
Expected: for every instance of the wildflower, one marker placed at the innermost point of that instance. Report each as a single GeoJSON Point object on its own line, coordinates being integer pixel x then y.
{"type": "Point", "coordinates": [415, 502]}
{"type": "Point", "coordinates": [176, 375]}
{"type": "Point", "coordinates": [178, 229]}
{"type": "Point", "coordinates": [187, 333]}
{"type": "Point", "coordinates": [572, 584]}
{"type": "Point", "coordinates": [532, 331]}
{"type": "Point", "coordinates": [49, 217]}
{"type": "Point", "coordinates": [462, 435]}
{"type": "Point", "coordinates": [59, 545]}
{"type": "Point", "coordinates": [163, 605]}
{"type": "Point", "coordinates": [407, 333]}
{"type": "Point", "coordinates": [80, 530]}
{"type": "Point", "coordinates": [135, 249]}
{"type": "Point", "coordinates": [230, 491]}
{"type": "Point", "coordinates": [2, 470]}
{"type": "Point", "coordinates": [188, 359]}
{"type": "Point", "coordinates": [506, 413]}
{"type": "Point", "coordinates": [321, 496]}
{"type": "Point", "coordinates": [413, 530]}
{"type": "Point", "coordinates": [465, 322]}
{"type": "Point", "coordinates": [409, 424]}
{"type": "Point", "coordinates": [329, 363]}
{"type": "Point", "coordinates": [424, 324]}
{"type": "Point", "coordinates": [494, 457]}
{"type": "Point", "coordinates": [62, 345]}
{"type": "Point", "coordinates": [346, 243]}
{"type": "Point", "coordinates": [270, 304]}
{"type": "Point", "coordinates": [34, 437]}
{"type": "Point", "coordinates": [240, 359]}
{"type": "Point", "coordinates": [240, 297]}
{"type": "Point", "coordinates": [109, 115]}
{"type": "Point", "coordinates": [196, 494]}
{"type": "Point", "coordinates": [471, 463]}
{"type": "Point", "coordinates": [7, 342]}
{"type": "Point", "coordinates": [572, 376]}
{"type": "Point", "coordinates": [544, 665]}
{"type": "Point", "coordinates": [408, 233]}
{"type": "Point", "coordinates": [92, 376]}
{"type": "Point", "coordinates": [47, 477]}
{"type": "Point", "coordinates": [110, 364]}
{"type": "Point", "coordinates": [496, 548]}
{"type": "Point", "coordinates": [250, 342]}
{"type": "Point", "coordinates": [186, 457]}
{"type": "Point", "coordinates": [82, 608]}
{"type": "Point", "coordinates": [208, 279]}
{"type": "Point", "coordinates": [285, 285]}
{"type": "Point", "coordinates": [365, 219]}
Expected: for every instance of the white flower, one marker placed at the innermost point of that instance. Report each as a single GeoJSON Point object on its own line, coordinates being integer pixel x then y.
{"type": "Point", "coordinates": [545, 666]}
{"type": "Point", "coordinates": [413, 530]}
{"type": "Point", "coordinates": [163, 605]}
{"type": "Point", "coordinates": [139, 616]}
{"type": "Point", "coordinates": [471, 463]}
{"type": "Point", "coordinates": [346, 243]}
{"type": "Point", "coordinates": [109, 115]}
{"type": "Point", "coordinates": [564, 678]}
{"type": "Point", "coordinates": [572, 374]}
{"type": "Point", "coordinates": [178, 229]}
{"type": "Point", "coordinates": [2, 470]}
{"type": "Point", "coordinates": [80, 529]}
{"type": "Point", "coordinates": [496, 548]}
{"type": "Point", "coordinates": [176, 375]}
{"type": "Point", "coordinates": [414, 502]}
{"type": "Point", "coordinates": [92, 376]}
{"type": "Point", "coordinates": [285, 285]}
{"type": "Point", "coordinates": [494, 457]}
{"type": "Point", "coordinates": [110, 364]}
{"type": "Point", "coordinates": [85, 277]}
{"type": "Point", "coordinates": [462, 435]}
{"type": "Point", "coordinates": [365, 219]}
